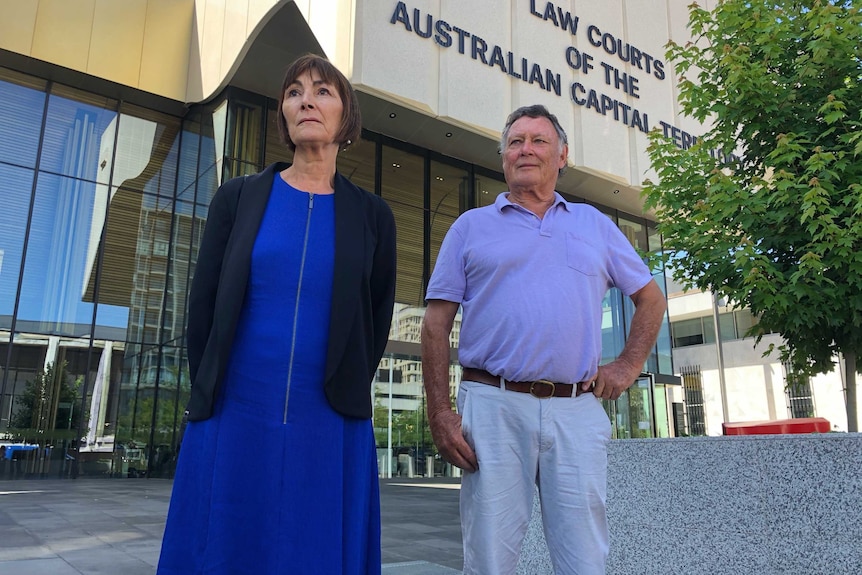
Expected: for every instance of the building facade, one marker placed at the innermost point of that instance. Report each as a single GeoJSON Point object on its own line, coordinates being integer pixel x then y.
{"type": "Point", "coordinates": [752, 386]}
{"type": "Point", "coordinates": [119, 120]}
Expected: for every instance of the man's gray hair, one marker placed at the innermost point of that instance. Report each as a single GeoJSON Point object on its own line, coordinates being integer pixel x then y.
{"type": "Point", "coordinates": [534, 111]}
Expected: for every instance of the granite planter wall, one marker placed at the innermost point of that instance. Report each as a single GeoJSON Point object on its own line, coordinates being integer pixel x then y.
{"type": "Point", "coordinates": [768, 504]}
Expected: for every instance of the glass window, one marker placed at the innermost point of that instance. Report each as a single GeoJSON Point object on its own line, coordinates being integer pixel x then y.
{"type": "Point", "coordinates": [218, 120]}
{"type": "Point", "coordinates": [173, 395]}
{"type": "Point", "coordinates": [61, 255]}
{"type": "Point", "coordinates": [728, 329]}
{"type": "Point", "coordinates": [744, 322]}
{"type": "Point", "coordinates": [209, 162]}
{"type": "Point", "coordinates": [357, 164]}
{"type": "Point", "coordinates": [73, 359]}
{"type": "Point", "coordinates": [404, 445]}
{"type": "Point", "coordinates": [688, 332]}
{"type": "Point", "coordinates": [147, 151]}
{"type": "Point", "coordinates": [26, 362]}
{"type": "Point", "coordinates": [136, 402]}
{"type": "Point", "coordinates": [102, 394]}
{"type": "Point", "coordinates": [663, 343]}
{"type": "Point", "coordinates": [488, 188]}
{"type": "Point", "coordinates": [402, 188]}
{"type": "Point", "coordinates": [662, 421]}
{"type": "Point", "coordinates": [236, 168]}
{"type": "Point", "coordinates": [134, 264]}
{"type": "Point", "coordinates": [22, 103]}
{"type": "Point", "coordinates": [79, 135]}
{"type": "Point", "coordinates": [188, 157]}
{"type": "Point", "coordinates": [276, 151]}
{"type": "Point", "coordinates": [244, 134]}
{"type": "Point", "coordinates": [178, 279]}
{"type": "Point", "coordinates": [613, 339]}
{"type": "Point", "coordinates": [17, 188]}
{"type": "Point", "coordinates": [198, 224]}
{"type": "Point", "coordinates": [635, 232]}
{"type": "Point", "coordinates": [207, 186]}
{"type": "Point", "coordinates": [450, 188]}
{"type": "Point", "coordinates": [403, 176]}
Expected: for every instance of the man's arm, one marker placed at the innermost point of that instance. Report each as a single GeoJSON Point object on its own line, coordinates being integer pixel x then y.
{"type": "Point", "coordinates": [614, 378]}
{"type": "Point", "coordinates": [445, 424]}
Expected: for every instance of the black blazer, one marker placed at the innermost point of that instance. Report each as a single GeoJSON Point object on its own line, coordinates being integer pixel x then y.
{"type": "Point", "coordinates": [363, 290]}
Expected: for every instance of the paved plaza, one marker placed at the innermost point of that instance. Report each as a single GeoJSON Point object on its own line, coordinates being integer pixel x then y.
{"type": "Point", "coordinates": [114, 526]}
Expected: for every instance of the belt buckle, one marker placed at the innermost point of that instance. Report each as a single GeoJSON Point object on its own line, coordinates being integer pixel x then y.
{"type": "Point", "coordinates": [550, 384]}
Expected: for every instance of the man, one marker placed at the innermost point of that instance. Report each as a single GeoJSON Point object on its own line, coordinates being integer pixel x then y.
{"type": "Point", "coordinates": [530, 272]}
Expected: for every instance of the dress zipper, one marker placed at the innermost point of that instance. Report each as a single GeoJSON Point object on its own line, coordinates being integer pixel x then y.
{"type": "Point", "coordinates": [296, 309]}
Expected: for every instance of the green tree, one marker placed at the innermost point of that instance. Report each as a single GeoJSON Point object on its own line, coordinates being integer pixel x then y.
{"type": "Point", "coordinates": [409, 428]}
{"type": "Point", "coordinates": [49, 401]}
{"type": "Point", "coordinates": [777, 227]}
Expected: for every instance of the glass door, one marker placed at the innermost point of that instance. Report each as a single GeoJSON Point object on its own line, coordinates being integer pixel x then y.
{"type": "Point", "coordinates": [631, 414]}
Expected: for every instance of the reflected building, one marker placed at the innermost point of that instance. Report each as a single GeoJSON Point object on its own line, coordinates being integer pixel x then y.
{"type": "Point", "coordinates": [112, 145]}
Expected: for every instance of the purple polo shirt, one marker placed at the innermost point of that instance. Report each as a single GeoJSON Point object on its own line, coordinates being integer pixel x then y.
{"type": "Point", "coordinates": [531, 290]}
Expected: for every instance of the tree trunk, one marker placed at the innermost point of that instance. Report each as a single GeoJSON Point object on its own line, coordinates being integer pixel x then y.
{"type": "Point", "coordinates": [850, 382]}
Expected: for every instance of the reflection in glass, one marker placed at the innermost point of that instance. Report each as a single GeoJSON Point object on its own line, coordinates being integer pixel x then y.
{"type": "Point", "coordinates": [488, 188]}
{"type": "Point", "coordinates": [219, 133]}
{"type": "Point", "coordinates": [725, 324]}
{"type": "Point", "coordinates": [243, 135]}
{"type": "Point", "coordinates": [179, 277]}
{"type": "Point", "coordinates": [631, 414]}
{"type": "Point", "coordinates": [120, 204]}
{"type": "Point", "coordinates": [59, 260]}
{"type": "Point", "coordinates": [51, 408]}
{"type": "Point", "coordinates": [188, 157]}
{"type": "Point", "coordinates": [635, 232]}
{"type": "Point", "coordinates": [173, 395]}
{"type": "Point", "coordinates": [402, 187]}
{"type": "Point", "coordinates": [663, 343]}
{"type": "Point", "coordinates": [78, 139]}
{"type": "Point", "coordinates": [147, 150]}
{"type": "Point", "coordinates": [134, 264]}
{"type": "Point", "coordinates": [22, 103]}
{"type": "Point", "coordinates": [209, 169]}
{"type": "Point", "coordinates": [275, 150]}
{"type": "Point", "coordinates": [404, 445]}
{"type": "Point", "coordinates": [136, 403]}
{"type": "Point", "coordinates": [357, 164]}
{"type": "Point", "coordinates": [17, 188]}
{"type": "Point", "coordinates": [613, 338]}
{"type": "Point", "coordinates": [26, 362]}
{"type": "Point", "coordinates": [450, 188]}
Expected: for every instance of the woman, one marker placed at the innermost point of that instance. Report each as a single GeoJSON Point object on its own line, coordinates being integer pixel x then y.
{"type": "Point", "coordinates": [289, 314]}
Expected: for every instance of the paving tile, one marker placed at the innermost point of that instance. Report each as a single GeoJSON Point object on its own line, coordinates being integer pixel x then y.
{"type": "Point", "coordinates": [417, 568]}
{"type": "Point", "coordinates": [38, 567]}
{"type": "Point", "coordinates": [110, 527]}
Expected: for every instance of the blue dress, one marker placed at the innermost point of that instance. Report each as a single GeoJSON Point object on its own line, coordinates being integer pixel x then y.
{"type": "Point", "coordinates": [277, 482]}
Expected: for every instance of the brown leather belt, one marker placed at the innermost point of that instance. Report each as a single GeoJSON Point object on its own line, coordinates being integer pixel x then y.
{"type": "Point", "coordinates": [540, 388]}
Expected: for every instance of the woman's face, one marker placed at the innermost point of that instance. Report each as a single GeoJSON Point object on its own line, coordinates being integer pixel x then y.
{"type": "Point", "coordinates": [313, 110]}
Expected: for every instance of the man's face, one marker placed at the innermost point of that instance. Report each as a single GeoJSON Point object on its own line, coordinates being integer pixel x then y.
{"type": "Point", "coordinates": [532, 156]}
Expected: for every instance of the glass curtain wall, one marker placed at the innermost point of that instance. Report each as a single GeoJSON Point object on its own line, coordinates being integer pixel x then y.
{"type": "Point", "coordinates": [104, 206]}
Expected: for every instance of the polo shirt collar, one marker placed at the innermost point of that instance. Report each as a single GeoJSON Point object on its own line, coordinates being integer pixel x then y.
{"type": "Point", "coordinates": [503, 200]}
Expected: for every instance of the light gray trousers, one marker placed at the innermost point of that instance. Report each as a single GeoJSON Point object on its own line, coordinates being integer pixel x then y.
{"type": "Point", "coordinates": [559, 444]}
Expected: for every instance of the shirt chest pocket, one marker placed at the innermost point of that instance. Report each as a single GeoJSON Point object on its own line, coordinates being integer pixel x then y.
{"type": "Point", "coordinates": [582, 255]}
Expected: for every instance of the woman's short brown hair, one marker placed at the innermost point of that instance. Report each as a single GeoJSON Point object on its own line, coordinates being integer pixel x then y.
{"type": "Point", "coordinates": [351, 120]}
